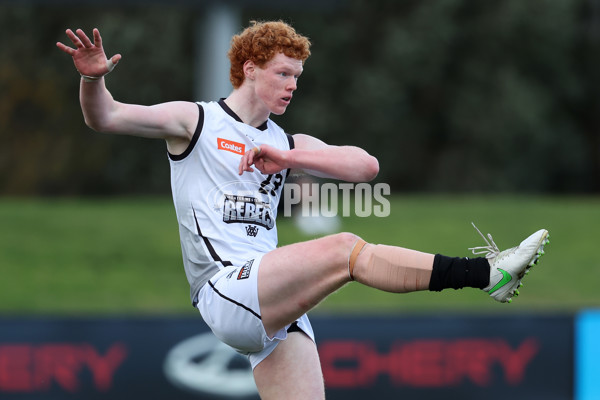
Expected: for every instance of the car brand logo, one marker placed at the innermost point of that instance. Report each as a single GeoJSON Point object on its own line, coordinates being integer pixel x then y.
{"type": "Point", "coordinates": [204, 365]}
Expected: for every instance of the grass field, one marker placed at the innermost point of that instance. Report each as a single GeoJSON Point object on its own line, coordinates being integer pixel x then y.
{"type": "Point", "coordinates": [122, 255]}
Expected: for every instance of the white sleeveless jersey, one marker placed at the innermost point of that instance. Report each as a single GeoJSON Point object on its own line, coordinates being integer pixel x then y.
{"type": "Point", "coordinates": [224, 218]}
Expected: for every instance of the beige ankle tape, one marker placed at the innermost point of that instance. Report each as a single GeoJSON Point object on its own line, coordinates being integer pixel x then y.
{"type": "Point", "coordinates": [358, 246]}
{"type": "Point", "coordinates": [397, 270]}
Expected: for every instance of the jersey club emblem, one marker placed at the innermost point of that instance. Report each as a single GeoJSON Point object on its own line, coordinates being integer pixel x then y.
{"type": "Point", "coordinates": [251, 230]}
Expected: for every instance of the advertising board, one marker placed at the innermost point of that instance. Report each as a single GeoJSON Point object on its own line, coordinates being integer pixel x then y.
{"type": "Point", "coordinates": [362, 357]}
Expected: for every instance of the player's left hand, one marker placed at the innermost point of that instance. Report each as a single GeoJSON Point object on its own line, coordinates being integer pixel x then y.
{"type": "Point", "coordinates": [267, 159]}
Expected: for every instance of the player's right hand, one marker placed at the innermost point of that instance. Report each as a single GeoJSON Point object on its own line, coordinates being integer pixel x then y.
{"type": "Point", "coordinates": [89, 58]}
{"type": "Point", "coordinates": [267, 159]}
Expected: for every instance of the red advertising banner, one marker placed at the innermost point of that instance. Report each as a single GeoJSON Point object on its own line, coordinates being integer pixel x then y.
{"type": "Point", "coordinates": [525, 357]}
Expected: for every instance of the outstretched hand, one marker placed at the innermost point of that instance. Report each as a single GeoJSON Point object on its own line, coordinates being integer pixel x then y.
{"type": "Point", "coordinates": [267, 159]}
{"type": "Point", "coordinates": [89, 58]}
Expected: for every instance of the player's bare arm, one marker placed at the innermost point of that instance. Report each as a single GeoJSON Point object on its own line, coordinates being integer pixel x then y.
{"type": "Point", "coordinates": [174, 121]}
{"type": "Point", "coordinates": [347, 163]}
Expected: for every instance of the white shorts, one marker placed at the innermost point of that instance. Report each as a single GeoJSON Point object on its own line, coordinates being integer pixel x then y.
{"type": "Point", "coordinates": [228, 303]}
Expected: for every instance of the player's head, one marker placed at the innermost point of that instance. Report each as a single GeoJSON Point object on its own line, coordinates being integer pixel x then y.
{"type": "Point", "coordinates": [262, 41]}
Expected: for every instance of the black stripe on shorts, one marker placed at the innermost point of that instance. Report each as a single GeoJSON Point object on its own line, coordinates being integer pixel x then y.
{"type": "Point", "coordinates": [233, 301]}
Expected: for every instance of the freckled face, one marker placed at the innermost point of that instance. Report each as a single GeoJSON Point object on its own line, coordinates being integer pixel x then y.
{"type": "Point", "coordinates": [276, 81]}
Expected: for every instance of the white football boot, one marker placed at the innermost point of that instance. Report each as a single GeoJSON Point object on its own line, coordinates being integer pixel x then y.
{"type": "Point", "coordinates": [508, 267]}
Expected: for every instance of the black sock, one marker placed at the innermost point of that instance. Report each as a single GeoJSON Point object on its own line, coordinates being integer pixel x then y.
{"type": "Point", "coordinates": [456, 273]}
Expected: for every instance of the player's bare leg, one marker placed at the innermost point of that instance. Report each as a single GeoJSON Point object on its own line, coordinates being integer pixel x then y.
{"type": "Point", "coordinates": [295, 278]}
{"type": "Point", "coordinates": [292, 371]}
{"type": "Point", "coordinates": [305, 273]}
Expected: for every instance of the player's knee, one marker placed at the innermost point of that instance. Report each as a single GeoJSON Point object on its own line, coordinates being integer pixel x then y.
{"type": "Point", "coordinates": [344, 242]}
{"type": "Point", "coordinates": [345, 239]}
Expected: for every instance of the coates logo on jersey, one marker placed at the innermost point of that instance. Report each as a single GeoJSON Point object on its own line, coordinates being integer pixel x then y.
{"type": "Point", "coordinates": [230, 145]}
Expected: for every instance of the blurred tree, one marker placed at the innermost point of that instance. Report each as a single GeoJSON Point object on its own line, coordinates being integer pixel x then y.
{"type": "Point", "coordinates": [454, 95]}
{"type": "Point", "coordinates": [587, 110]}
{"type": "Point", "coordinates": [451, 95]}
{"type": "Point", "coordinates": [46, 147]}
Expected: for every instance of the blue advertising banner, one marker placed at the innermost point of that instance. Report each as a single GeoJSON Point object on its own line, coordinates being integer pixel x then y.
{"type": "Point", "coordinates": [381, 358]}
{"type": "Point", "coordinates": [587, 355]}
